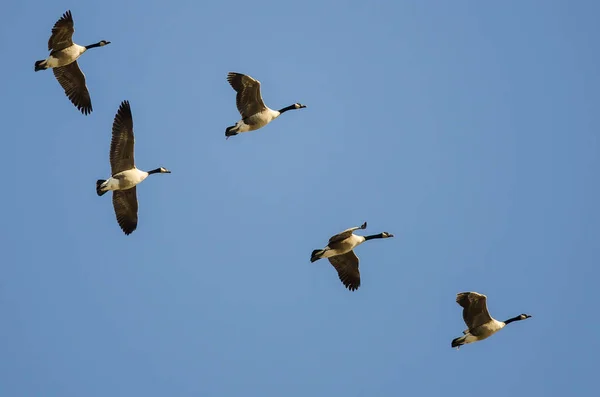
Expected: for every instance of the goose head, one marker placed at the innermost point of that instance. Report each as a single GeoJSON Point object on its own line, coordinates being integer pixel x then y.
{"type": "Point", "coordinates": [160, 170]}
{"type": "Point", "coordinates": [380, 235]}
{"type": "Point", "coordinates": [101, 43]}
{"type": "Point", "coordinates": [295, 106]}
{"type": "Point", "coordinates": [517, 318]}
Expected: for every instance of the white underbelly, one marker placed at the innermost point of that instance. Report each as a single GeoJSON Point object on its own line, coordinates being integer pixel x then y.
{"type": "Point", "coordinates": [470, 338]}
{"type": "Point", "coordinates": [126, 179]}
{"type": "Point", "coordinates": [485, 331]}
{"type": "Point", "coordinates": [345, 246]}
{"type": "Point", "coordinates": [258, 120]}
{"type": "Point", "coordinates": [329, 253]}
{"type": "Point", "coordinates": [65, 57]}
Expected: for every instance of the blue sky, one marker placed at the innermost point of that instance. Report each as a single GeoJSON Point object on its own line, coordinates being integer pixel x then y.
{"type": "Point", "coordinates": [468, 130]}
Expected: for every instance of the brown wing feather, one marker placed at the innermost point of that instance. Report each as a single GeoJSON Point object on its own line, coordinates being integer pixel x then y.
{"type": "Point", "coordinates": [248, 99]}
{"type": "Point", "coordinates": [122, 143]}
{"type": "Point", "coordinates": [72, 80]}
{"type": "Point", "coordinates": [340, 237]}
{"type": "Point", "coordinates": [475, 312]}
{"type": "Point", "coordinates": [347, 269]}
{"type": "Point", "coordinates": [235, 80]}
{"type": "Point", "coordinates": [345, 234]}
{"type": "Point", "coordinates": [62, 33]}
{"type": "Point", "coordinates": [126, 209]}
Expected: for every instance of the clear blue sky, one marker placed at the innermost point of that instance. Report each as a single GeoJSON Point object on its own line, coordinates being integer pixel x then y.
{"type": "Point", "coordinates": [468, 130]}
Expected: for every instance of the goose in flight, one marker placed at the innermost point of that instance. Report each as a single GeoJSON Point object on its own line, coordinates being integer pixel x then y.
{"type": "Point", "coordinates": [255, 114]}
{"type": "Point", "coordinates": [480, 325]}
{"type": "Point", "coordinates": [125, 176]}
{"type": "Point", "coordinates": [340, 253]}
{"type": "Point", "coordinates": [63, 62]}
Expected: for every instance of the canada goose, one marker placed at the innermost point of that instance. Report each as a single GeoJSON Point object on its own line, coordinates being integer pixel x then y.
{"type": "Point", "coordinates": [63, 61]}
{"type": "Point", "coordinates": [479, 322]}
{"type": "Point", "coordinates": [125, 176]}
{"type": "Point", "coordinates": [255, 114]}
{"type": "Point", "coordinates": [340, 253]}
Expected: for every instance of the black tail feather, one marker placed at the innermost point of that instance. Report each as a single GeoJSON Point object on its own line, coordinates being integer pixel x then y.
{"type": "Point", "coordinates": [40, 65]}
{"type": "Point", "coordinates": [99, 182]}
{"type": "Point", "coordinates": [231, 131]}
{"type": "Point", "coordinates": [316, 255]}
{"type": "Point", "coordinates": [458, 341]}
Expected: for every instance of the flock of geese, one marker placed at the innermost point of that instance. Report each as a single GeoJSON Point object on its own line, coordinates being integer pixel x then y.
{"type": "Point", "coordinates": [125, 176]}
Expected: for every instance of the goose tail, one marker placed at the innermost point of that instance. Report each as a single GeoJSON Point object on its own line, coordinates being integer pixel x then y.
{"type": "Point", "coordinates": [99, 190]}
{"type": "Point", "coordinates": [316, 255]}
{"type": "Point", "coordinates": [459, 341]}
{"type": "Point", "coordinates": [40, 65]}
{"type": "Point", "coordinates": [231, 131]}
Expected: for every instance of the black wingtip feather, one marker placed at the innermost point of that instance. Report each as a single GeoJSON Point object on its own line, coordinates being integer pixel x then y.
{"type": "Point", "coordinates": [85, 110]}
{"type": "Point", "coordinates": [124, 112]}
{"type": "Point", "coordinates": [125, 107]}
{"type": "Point", "coordinates": [67, 16]}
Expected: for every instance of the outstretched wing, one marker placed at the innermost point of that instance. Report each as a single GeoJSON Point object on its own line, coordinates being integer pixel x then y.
{"type": "Point", "coordinates": [248, 99]}
{"type": "Point", "coordinates": [346, 266]}
{"type": "Point", "coordinates": [122, 143]}
{"type": "Point", "coordinates": [126, 209]}
{"type": "Point", "coordinates": [72, 80]}
{"type": "Point", "coordinates": [346, 233]}
{"type": "Point", "coordinates": [62, 33]}
{"type": "Point", "coordinates": [475, 312]}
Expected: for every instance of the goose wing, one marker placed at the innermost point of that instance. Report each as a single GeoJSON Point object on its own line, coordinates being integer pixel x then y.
{"type": "Point", "coordinates": [62, 33]}
{"type": "Point", "coordinates": [72, 80]}
{"type": "Point", "coordinates": [346, 233]}
{"type": "Point", "coordinates": [126, 209]}
{"type": "Point", "coordinates": [248, 99]}
{"type": "Point", "coordinates": [347, 269]}
{"type": "Point", "coordinates": [121, 145]}
{"type": "Point", "coordinates": [475, 312]}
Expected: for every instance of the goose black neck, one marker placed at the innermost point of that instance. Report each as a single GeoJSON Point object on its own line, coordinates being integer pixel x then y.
{"type": "Point", "coordinates": [87, 47]}
{"type": "Point", "coordinates": [156, 171]}
{"type": "Point", "coordinates": [510, 320]}
{"type": "Point", "coordinates": [285, 109]}
{"type": "Point", "coordinates": [372, 236]}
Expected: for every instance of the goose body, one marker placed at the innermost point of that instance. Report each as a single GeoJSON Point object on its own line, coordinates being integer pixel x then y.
{"type": "Point", "coordinates": [255, 121]}
{"type": "Point", "coordinates": [478, 320]}
{"type": "Point", "coordinates": [63, 62]}
{"type": "Point", "coordinates": [340, 253]}
{"type": "Point", "coordinates": [125, 180]}
{"type": "Point", "coordinates": [255, 114]}
{"type": "Point", "coordinates": [341, 247]}
{"type": "Point", "coordinates": [125, 176]}
{"type": "Point", "coordinates": [63, 57]}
